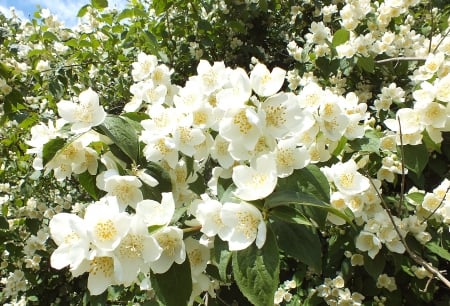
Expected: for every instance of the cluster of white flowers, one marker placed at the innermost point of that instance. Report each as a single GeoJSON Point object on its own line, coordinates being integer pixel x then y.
{"type": "Point", "coordinates": [333, 291]}
{"type": "Point", "coordinates": [283, 294]}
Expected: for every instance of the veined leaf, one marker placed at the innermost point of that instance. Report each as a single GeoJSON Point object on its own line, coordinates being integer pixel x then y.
{"type": "Point", "coordinates": [222, 256]}
{"type": "Point", "coordinates": [123, 133]}
{"type": "Point", "coordinates": [297, 198]}
{"type": "Point", "coordinates": [299, 241]}
{"type": "Point", "coordinates": [88, 182]}
{"type": "Point", "coordinates": [256, 271]}
{"type": "Point", "coordinates": [178, 278]}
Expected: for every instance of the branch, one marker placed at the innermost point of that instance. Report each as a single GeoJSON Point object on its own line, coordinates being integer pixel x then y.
{"type": "Point", "coordinates": [405, 58]}
{"type": "Point", "coordinates": [419, 260]}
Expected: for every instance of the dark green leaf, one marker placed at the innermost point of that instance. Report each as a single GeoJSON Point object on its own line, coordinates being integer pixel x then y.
{"type": "Point", "coordinates": [256, 271]}
{"type": "Point", "coordinates": [87, 181]}
{"type": "Point", "coordinates": [174, 287]}
{"type": "Point", "coordinates": [374, 266]}
{"type": "Point", "coordinates": [290, 214]}
{"type": "Point", "coordinates": [297, 198]}
{"type": "Point", "coordinates": [309, 180]}
{"type": "Point", "coordinates": [416, 157]}
{"type": "Point", "coordinates": [340, 36]}
{"type": "Point", "coordinates": [299, 241]}
{"type": "Point", "coordinates": [4, 225]}
{"type": "Point", "coordinates": [123, 134]}
{"type": "Point", "coordinates": [51, 148]}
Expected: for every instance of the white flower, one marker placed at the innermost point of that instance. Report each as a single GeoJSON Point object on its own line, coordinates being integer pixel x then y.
{"type": "Point", "coordinates": [242, 126]}
{"type": "Point", "coordinates": [154, 213]}
{"type": "Point", "coordinates": [144, 67]}
{"type": "Point", "coordinates": [125, 188]}
{"type": "Point", "coordinates": [69, 233]}
{"type": "Point", "coordinates": [207, 212]}
{"type": "Point", "coordinates": [289, 157]}
{"type": "Point", "coordinates": [101, 273]}
{"type": "Point", "coordinates": [257, 181]}
{"type": "Point", "coordinates": [198, 255]}
{"type": "Point", "coordinates": [135, 251]}
{"type": "Point", "coordinates": [211, 77]}
{"type": "Point", "coordinates": [367, 241]}
{"type": "Point", "coordinates": [106, 226]}
{"type": "Point", "coordinates": [170, 239]}
{"type": "Point", "coordinates": [347, 179]}
{"type": "Point", "coordinates": [264, 82]}
{"type": "Point", "coordinates": [239, 92]}
{"type": "Point", "coordinates": [244, 224]}
{"type": "Point", "coordinates": [84, 114]}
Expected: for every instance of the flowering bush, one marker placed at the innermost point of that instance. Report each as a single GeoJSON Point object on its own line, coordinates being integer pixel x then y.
{"type": "Point", "coordinates": [249, 152]}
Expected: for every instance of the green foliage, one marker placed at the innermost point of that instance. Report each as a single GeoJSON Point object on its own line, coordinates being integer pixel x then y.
{"type": "Point", "coordinates": [256, 271]}
{"type": "Point", "coordinates": [179, 277]}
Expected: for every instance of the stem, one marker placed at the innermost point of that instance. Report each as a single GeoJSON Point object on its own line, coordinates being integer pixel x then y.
{"type": "Point", "coordinates": [192, 229]}
{"type": "Point", "coordinates": [402, 58]}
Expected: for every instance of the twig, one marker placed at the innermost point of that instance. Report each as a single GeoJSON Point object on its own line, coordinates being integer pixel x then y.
{"type": "Point", "coordinates": [401, 58]}
{"type": "Point", "coordinates": [437, 207]}
{"type": "Point", "coordinates": [402, 152]}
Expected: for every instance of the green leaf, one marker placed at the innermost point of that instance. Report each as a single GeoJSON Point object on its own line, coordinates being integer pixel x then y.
{"type": "Point", "coordinates": [298, 198]}
{"type": "Point", "coordinates": [174, 287]}
{"type": "Point", "coordinates": [415, 157]}
{"type": "Point", "coordinates": [300, 242]}
{"type": "Point", "coordinates": [99, 4]}
{"type": "Point", "coordinates": [438, 250]}
{"type": "Point", "coordinates": [87, 181]}
{"type": "Point", "coordinates": [416, 197]}
{"type": "Point", "coordinates": [290, 214]}
{"type": "Point", "coordinates": [369, 143]}
{"type": "Point", "coordinates": [374, 266]}
{"type": "Point", "coordinates": [123, 134]}
{"type": "Point", "coordinates": [51, 148]}
{"type": "Point", "coordinates": [153, 228]}
{"type": "Point", "coordinates": [222, 257]}
{"type": "Point", "coordinates": [308, 180]}
{"type": "Point", "coordinates": [341, 36]}
{"type": "Point", "coordinates": [366, 64]}
{"type": "Point", "coordinates": [256, 271]}
{"type": "Point", "coordinates": [82, 11]}
{"type": "Point", "coordinates": [4, 225]}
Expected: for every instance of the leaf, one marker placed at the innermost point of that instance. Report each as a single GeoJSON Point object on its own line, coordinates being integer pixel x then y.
{"type": "Point", "coordinates": [300, 242]}
{"type": "Point", "coordinates": [256, 271]}
{"type": "Point", "coordinates": [309, 180]}
{"type": "Point", "coordinates": [100, 4]}
{"type": "Point", "coordinates": [174, 287]}
{"type": "Point", "coordinates": [222, 256]}
{"type": "Point", "coordinates": [123, 134]}
{"type": "Point", "coordinates": [369, 143]}
{"type": "Point", "coordinates": [51, 148]}
{"type": "Point", "coordinates": [374, 266]}
{"type": "Point", "coordinates": [4, 225]}
{"type": "Point", "coordinates": [290, 214]}
{"type": "Point", "coordinates": [415, 157]}
{"type": "Point", "coordinates": [82, 11]}
{"type": "Point", "coordinates": [88, 182]}
{"type": "Point", "coordinates": [340, 36]}
{"type": "Point", "coordinates": [438, 250]}
{"type": "Point", "coordinates": [366, 64]}
{"type": "Point", "coordinates": [298, 198]}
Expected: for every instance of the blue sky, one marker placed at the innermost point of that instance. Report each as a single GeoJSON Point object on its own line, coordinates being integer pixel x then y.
{"type": "Point", "coordinates": [65, 10]}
